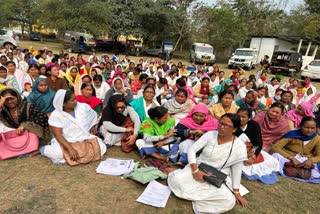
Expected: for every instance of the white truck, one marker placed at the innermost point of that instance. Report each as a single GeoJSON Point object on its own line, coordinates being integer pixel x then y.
{"type": "Point", "coordinates": [202, 53]}
{"type": "Point", "coordinates": [246, 58]}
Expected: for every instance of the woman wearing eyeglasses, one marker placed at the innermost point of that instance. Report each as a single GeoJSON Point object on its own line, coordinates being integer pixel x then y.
{"type": "Point", "coordinates": [117, 119]}
{"type": "Point", "coordinates": [224, 151]}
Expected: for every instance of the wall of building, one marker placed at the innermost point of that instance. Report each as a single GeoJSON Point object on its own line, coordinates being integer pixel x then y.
{"type": "Point", "coordinates": [282, 45]}
{"type": "Point", "coordinates": [264, 46]}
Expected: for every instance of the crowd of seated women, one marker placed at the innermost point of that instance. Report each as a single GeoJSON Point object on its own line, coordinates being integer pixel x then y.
{"type": "Point", "coordinates": [175, 114]}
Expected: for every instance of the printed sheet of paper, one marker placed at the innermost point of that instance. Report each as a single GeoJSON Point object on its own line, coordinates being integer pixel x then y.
{"type": "Point", "coordinates": [113, 166]}
{"type": "Point", "coordinates": [300, 158]}
{"type": "Point", "coordinates": [155, 195]}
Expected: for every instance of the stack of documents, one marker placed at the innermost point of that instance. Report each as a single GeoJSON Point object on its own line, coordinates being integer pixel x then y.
{"type": "Point", "coordinates": [113, 166]}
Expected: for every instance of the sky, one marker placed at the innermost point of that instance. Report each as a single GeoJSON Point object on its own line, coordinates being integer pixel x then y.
{"type": "Point", "coordinates": [292, 4]}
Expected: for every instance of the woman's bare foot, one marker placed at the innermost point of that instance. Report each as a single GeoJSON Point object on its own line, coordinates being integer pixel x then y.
{"type": "Point", "coordinates": [160, 157]}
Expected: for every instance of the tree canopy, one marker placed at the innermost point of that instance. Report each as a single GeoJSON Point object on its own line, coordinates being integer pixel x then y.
{"type": "Point", "coordinates": [226, 24]}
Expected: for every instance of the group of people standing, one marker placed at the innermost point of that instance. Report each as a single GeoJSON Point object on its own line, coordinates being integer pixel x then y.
{"type": "Point", "coordinates": [246, 127]}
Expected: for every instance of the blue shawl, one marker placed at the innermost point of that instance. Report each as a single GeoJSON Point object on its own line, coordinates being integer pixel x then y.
{"type": "Point", "coordinates": [43, 100]}
{"type": "Point", "coordinates": [297, 134]}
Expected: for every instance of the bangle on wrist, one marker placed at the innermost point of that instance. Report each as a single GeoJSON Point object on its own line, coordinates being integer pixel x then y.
{"type": "Point", "coordinates": [236, 192]}
{"type": "Point", "coordinates": [195, 171]}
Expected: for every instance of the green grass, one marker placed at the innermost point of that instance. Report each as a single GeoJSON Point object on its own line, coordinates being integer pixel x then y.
{"type": "Point", "coordinates": [64, 189]}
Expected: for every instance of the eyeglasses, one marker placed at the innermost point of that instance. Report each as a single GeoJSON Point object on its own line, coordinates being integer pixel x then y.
{"type": "Point", "coordinates": [223, 125]}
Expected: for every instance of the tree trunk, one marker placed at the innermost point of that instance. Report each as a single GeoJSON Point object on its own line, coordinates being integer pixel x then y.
{"type": "Point", "coordinates": [176, 45]}
{"type": "Point", "coordinates": [30, 28]}
{"type": "Point", "coordinates": [22, 31]}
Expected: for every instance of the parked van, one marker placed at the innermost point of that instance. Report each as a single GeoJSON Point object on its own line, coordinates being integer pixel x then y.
{"type": "Point", "coordinates": [246, 58]}
{"type": "Point", "coordinates": [202, 53]}
{"type": "Point", "coordinates": [72, 35]}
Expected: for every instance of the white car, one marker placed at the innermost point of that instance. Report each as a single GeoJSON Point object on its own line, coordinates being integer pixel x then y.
{"type": "Point", "coordinates": [8, 37]}
{"type": "Point", "coordinates": [244, 57]}
{"type": "Point", "coordinates": [202, 53]}
{"type": "Point", "coordinates": [312, 70]}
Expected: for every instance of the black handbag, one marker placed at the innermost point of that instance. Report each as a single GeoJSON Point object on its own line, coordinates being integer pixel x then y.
{"type": "Point", "coordinates": [216, 177]}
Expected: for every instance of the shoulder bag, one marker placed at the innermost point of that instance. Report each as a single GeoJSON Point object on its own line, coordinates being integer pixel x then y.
{"type": "Point", "coordinates": [216, 177]}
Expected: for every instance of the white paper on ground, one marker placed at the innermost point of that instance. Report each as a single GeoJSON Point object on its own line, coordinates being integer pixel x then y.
{"type": "Point", "coordinates": [155, 195]}
{"type": "Point", "coordinates": [243, 190]}
{"type": "Point", "coordinates": [113, 166]}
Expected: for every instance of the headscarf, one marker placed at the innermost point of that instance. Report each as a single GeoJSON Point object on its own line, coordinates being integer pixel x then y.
{"type": "Point", "coordinates": [296, 117]}
{"type": "Point", "coordinates": [114, 88]}
{"type": "Point", "coordinates": [43, 100]}
{"type": "Point", "coordinates": [208, 124]}
{"type": "Point", "coordinates": [86, 72]}
{"type": "Point", "coordinates": [58, 100]}
{"type": "Point", "coordinates": [219, 88]}
{"type": "Point", "coordinates": [69, 77]}
{"type": "Point", "coordinates": [6, 80]}
{"type": "Point", "coordinates": [5, 112]}
{"type": "Point", "coordinates": [271, 129]}
{"type": "Point", "coordinates": [253, 105]}
{"type": "Point", "coordinates": [83, 113]}
{"type": "Point", "coordinates": [109, 112]}
{"type": "Point", "coordinates": [117, 73]}
{"type": "Point", "coordinates": [307, 97]}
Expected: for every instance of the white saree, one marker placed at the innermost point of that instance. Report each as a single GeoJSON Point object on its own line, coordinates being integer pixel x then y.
{"type": "Point", "coordinates": [75, 128]}
{"type": "Point", "coordinates": [205, 197]}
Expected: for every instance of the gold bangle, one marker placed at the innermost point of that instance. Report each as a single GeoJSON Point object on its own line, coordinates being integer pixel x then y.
{"type": "Point", "coordinates": [236, 192]}
{"type": "Point", "coordinates": [195, 171]}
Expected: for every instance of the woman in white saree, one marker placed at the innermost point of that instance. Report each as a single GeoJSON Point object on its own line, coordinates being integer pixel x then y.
{"type": "Point", "coordinates": [216, 146]}
{"type": "Point", "coordinates": [70, 122]}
